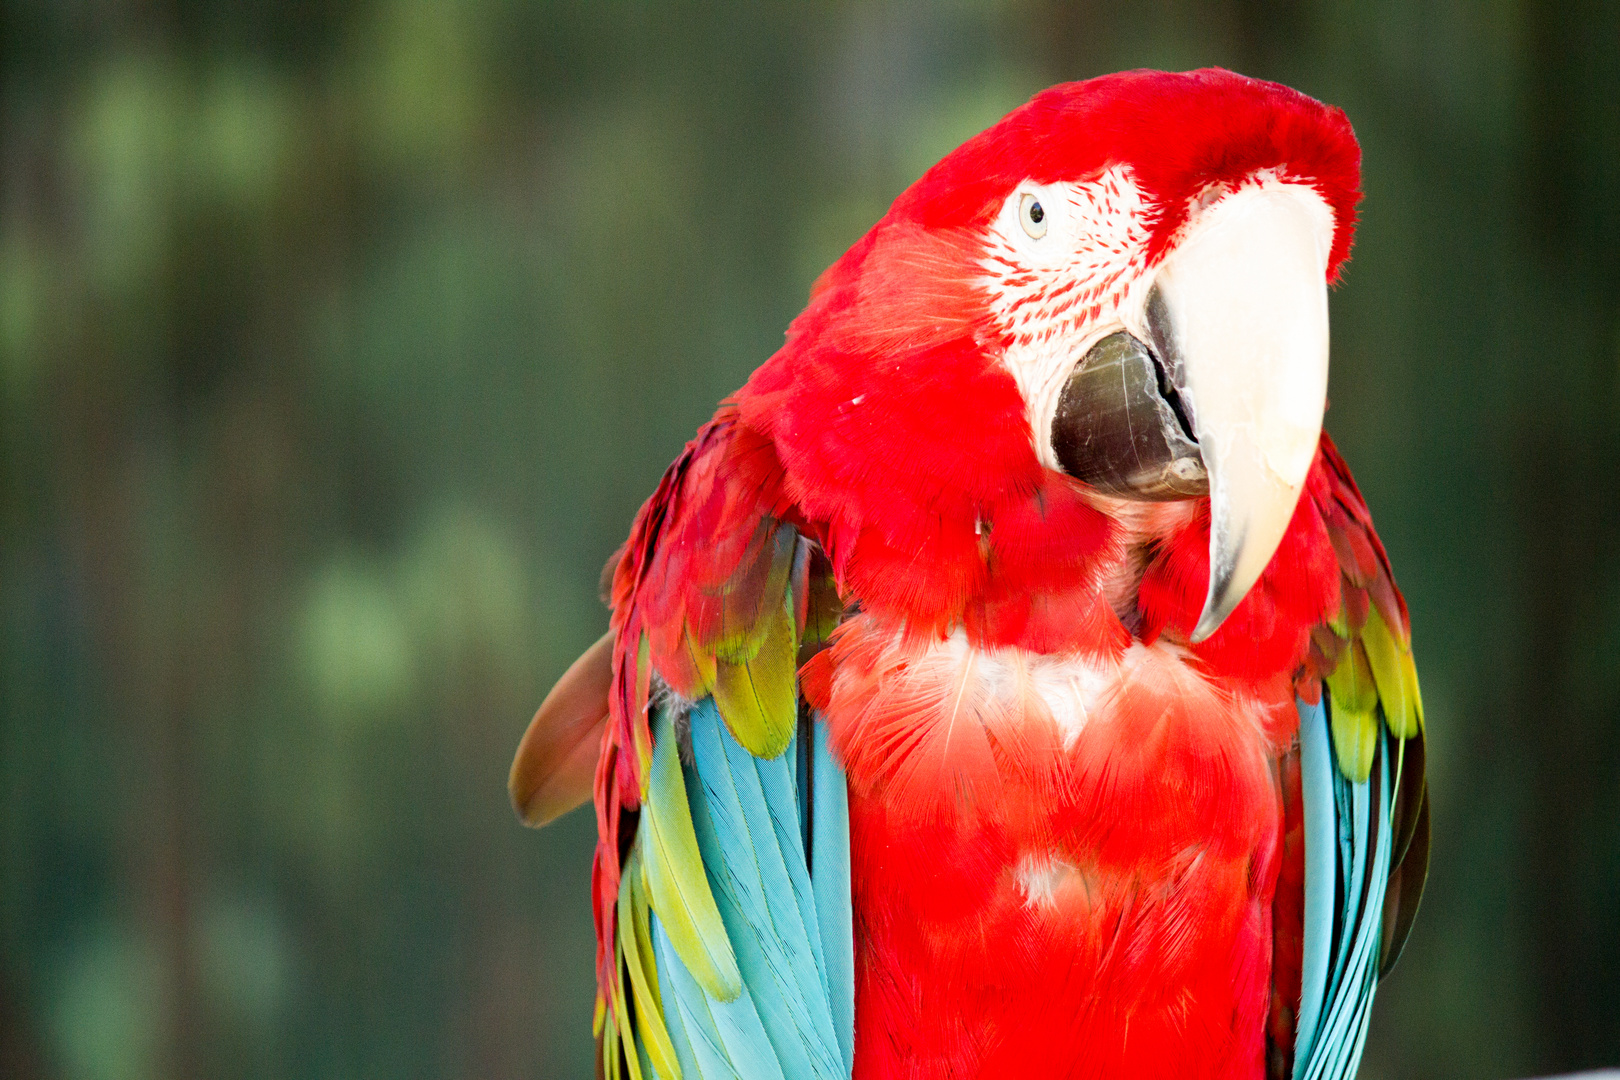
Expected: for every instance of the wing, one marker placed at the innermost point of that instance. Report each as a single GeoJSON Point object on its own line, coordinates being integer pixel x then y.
{"type": "Point", "coordinates": [721, 878]}
{"type": "Point", "coordinates": [1363, 804]}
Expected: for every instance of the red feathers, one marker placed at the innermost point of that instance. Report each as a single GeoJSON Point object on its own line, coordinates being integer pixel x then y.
{"type": "Point", "coordinates": [1037, 891]}
{"type": "Point", "coordinates": [1095, 909]}
{"type": "Point", "coordinates": [1179, 133]}
{"type": "Point", "coordinates": [1269, 631]}
{"type": "Point", "coordinates": [906, 448]}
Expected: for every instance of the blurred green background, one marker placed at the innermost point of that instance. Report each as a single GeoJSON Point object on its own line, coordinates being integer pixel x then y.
{"type": "Point", "coordinates": [340, 341]}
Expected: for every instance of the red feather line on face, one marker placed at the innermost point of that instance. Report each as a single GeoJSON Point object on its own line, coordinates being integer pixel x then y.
{"type": "Point", "coordinates": [1059, 303]}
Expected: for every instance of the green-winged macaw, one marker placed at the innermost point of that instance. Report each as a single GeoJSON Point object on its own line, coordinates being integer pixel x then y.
{"type": "Point", "coordinates": [1007, 681]}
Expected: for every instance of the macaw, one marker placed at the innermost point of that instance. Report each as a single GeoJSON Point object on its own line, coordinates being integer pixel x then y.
{"type": "Point", "coordinates": [1008, 680]}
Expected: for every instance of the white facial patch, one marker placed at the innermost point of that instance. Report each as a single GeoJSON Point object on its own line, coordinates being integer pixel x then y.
{"type": "Point", "coordinates": [1056, 294]}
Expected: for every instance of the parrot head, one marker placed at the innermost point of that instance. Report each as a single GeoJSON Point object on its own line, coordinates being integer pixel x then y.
{"type": "Point", "coordinates": [1145, 258]}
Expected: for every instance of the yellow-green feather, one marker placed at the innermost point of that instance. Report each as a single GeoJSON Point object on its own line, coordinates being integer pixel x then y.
{"type": "Point", "coordinates": [623, 1036]}
{"type": "Point", "coordinates": [676, 882]}
{"type": "Point", "coordinates": [1409, 670]}
{"type": "Point", "coordinates": [1352, 682]}
{"type": "Point", "coordinates": [759, 697]}
{"type": "Point", "coordinates": [824, 611]}
{"type": "Point", "coordinates": [748, 609]}
{"type": "Point", "coordinates": [642, 925]}
{"type": "Point", "coordinates": [817, 610]}
{"type": "Point", "coordinates": [1384, 655]}
{"type": "Point", "coordinates": [1355, 716]}
{"type": "Point", "coordinates": [612, 1038]}
{"type": "Point", "coordinates": [702, 666]}
{"type": "Point", "coordinates": [635, 944]}
{"type": "Point", "coordinates": [1355, 739]}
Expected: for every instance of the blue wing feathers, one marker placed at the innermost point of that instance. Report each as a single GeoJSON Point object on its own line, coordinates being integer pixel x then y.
{"type": "Point", "coordinates": [780, 787]}
{"type": "Point", "coordinates": [1321, 836]}
{"type": "Point", "coordinates": [1353, 1001]}
{"type": "Point", "coordinates": [757, 899]}
{"type": "Point", "coordinates": [734, 1026]}
{"type": "Point", "coordinates": [1348, 841]}
{"type": "Point", "coordinates": [1352, 827]}
{"type": "Point", "coordinates": [752, 818]}
{"type": "Point", "coordinates": [830, 878]}
{"type": "Point", "coordinates": [691, 1026]}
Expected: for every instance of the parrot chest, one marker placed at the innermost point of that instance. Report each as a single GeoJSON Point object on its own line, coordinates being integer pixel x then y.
{"type": "Point", "coordinates": [1060, 865]}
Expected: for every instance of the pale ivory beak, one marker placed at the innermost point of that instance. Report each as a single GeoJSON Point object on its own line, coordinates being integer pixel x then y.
{"type": "Point", "coordinates": [1239, 314]}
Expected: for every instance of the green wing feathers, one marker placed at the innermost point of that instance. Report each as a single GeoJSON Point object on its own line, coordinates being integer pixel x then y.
{"type": "Point", "coordinates": [1364, 658]}
{"type": "Point", "coordinates": [724, 962]}
{"type": "Point", "coordinates": [756, 666]}
{"type": "Point", "coordinates": [1375, 678]}
{"type": "Point", "coordinates": [675, 879]}
{"type": "Point", "coordinates": [716, 958]}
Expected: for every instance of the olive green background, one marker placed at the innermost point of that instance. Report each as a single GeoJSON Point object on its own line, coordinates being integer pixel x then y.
{"type": "Point", "coordinates": [340, 341]}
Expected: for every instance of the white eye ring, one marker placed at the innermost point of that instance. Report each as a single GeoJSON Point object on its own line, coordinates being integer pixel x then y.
{"type": "Point", "coordinates": [1032, 216]}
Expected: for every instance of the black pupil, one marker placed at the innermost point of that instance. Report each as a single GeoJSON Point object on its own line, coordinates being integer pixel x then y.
{"type": "Point", "coordinates": [1036, 214]}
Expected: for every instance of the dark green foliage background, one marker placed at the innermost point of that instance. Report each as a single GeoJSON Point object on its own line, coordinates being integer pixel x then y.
{"type": "Point", "coordinates": [339, 342]}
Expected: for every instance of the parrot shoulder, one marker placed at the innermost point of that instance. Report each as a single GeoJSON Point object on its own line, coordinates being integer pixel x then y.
{"type": "Point", "coordinates": [721, 882]}
{"type": "Point", "coordinates": [1355, 793]}
{"type": "Point", "coordinates": [1364, 658]}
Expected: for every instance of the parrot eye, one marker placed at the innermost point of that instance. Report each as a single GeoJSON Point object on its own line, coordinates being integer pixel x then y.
{"type": "Point", "coordinates": [1032, 216]}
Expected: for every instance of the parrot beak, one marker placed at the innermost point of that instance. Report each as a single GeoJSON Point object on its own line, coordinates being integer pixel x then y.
{"type": "Point", "coordinates": [1239, 315]}
{"type": "Point", "coordinates": [1221, 392]}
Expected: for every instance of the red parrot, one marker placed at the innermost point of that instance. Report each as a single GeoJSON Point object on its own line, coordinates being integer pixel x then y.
{"type": "Point", "coordinates": [1007, 680]}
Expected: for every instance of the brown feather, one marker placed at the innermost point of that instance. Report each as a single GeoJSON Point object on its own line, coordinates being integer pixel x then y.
{"type": "Point", "coordinates": [556, 761]}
